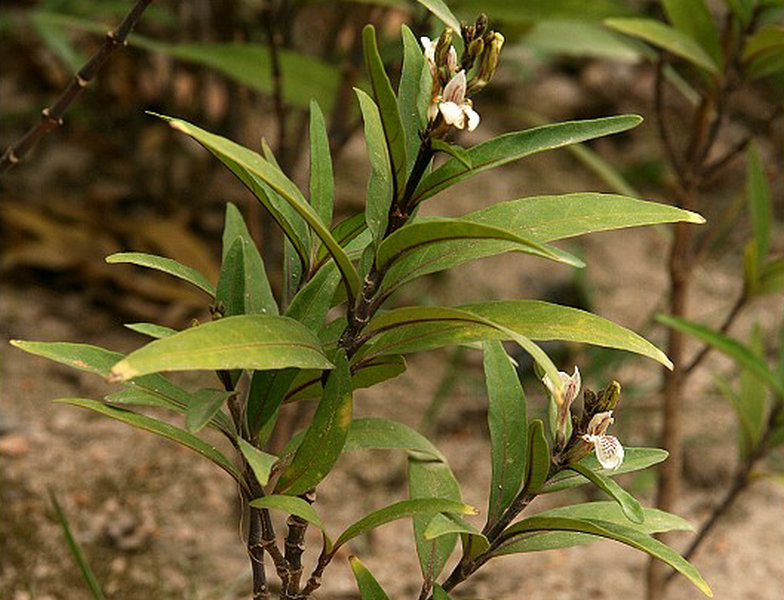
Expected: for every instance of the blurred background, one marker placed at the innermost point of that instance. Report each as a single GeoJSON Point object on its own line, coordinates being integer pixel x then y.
{"type": "Point", "coordinates": [115, 178]}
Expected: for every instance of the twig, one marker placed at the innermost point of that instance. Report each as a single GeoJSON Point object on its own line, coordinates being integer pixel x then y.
{"type": "Point", "coordinates": [728, 321]}
{"type": "Point", "coordinates": [295, 547]}
{"type": "Point", "coordinates": [256, 552]}
{"type": "Point", "coordinates": [53, 116]}
{"type": "Point", "coordinates": [661, 122]}
{"type": "Point", "coordinates": [269, 14]}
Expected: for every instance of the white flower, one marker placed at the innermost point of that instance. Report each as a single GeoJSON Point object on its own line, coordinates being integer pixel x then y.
{"type": "Point", "coordinates": [429, 47]}
{"type": "Point", "coordinates": [570, 386]}
{"type": "Point", "coordinates": [455, 107]}
{"type": "Point", "coordinates": [608, 449]}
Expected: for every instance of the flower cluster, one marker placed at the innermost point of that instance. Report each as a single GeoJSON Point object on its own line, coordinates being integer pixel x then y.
{"type": "Point", "coordinates": [451, 85]}
{"type": "Point", "coordinates": [575, 437]}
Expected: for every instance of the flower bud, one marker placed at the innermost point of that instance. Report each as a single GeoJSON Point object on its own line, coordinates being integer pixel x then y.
{"type": "Point", "coordinates": [442, 56]}
{"type": "Point", "coordinates": [493, 42]}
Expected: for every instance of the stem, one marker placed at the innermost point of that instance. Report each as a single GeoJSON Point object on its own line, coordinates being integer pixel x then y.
{"type": "Point", "coordinates": [256, 552]}
{"type": "Point", "coordinates": [273, 39]}
{"type": "Point", "coordinates": [53, 116]}
{"type": "Point", "coordinates": [295, 547]}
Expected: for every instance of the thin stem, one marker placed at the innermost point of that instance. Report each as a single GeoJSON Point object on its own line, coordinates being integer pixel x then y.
{"type": "Point", "coordinates": [53, 116]}
{"type": "Point", "coordinates": [256, 552]}
{"type": "Point", "coordinates": [661, 120]}
{"type": "Point", "coordinates": [728, 321]}
{"type": "Point", "coordinates": [269, 15]}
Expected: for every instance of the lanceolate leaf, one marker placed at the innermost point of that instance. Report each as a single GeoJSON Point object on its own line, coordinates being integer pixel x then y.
{"type": "Point", "coordinates": [444, 524]}
{"type": "Point", "coordinates": [369, 589]}
{"type": "Point", "coordinates": [258, 298]}
{"type": "Point", "coordinates": [441, 10]}
{"type": "Point", "coordinates": [538, 458]}
{"type": "Point", "coordinates": [394, 134]}
{"type": "Point", "coordinates": [631, 508]}
{"type": "Point", "coordinates": [693, 18]}
{"type": "Point", "coordinates": [544, 321]}
{"type": "Point", "coordinates": [291, 505]}
{"type": "Point", "coordinates": [267, 391]}
{"type": "Point", "coordinates": [759, 202]}
{"type": "Point", "coordinates": [230, 293]}
{"type": "Point", "coordinates": [326, 435]}
{"type": "Point", "coordinates": [401, 510]}
{"type": "Point", "coordinates": [431, 479]}
{"type": "Point", "coordinates": [656, 521]}
{"type": "Point", "coordinates": [150, 390]}
{"type": "Point", "coordinates": [241, 342]}
{"type": "Point", "coordinates": [668, 38]}
{"type": "Point", "coordinates": [431, 232]}
{"type": "Point", "coordinates": [384, 434]}
{"type": "Point", "coordinates": [312, 302]}
{"type": "Point", "coordinates": [634, 459]}
{"type": "Point", "coordinates": [728, 346]}
{"type": "Point", "coordinates": [381, 188]}
{"type": "Point", "coordinates": [413, 329]}
{"type": "Point", "coordinates": [167, 265]}
{"type": "Point", "coordinates": [513, 146]}
{"type": "Point", "coordinates": [620, 533]}
{"type": "Point", "coordinates": [160, 428]}
{"type": "Point", "coordinates": [539, 219]}
{"type": "Point", "coordinates": [322, 184]}
{"type": "Point", "coordinates": [151, 329]}
{"type": "Point", "coordinates": [248, 165]}
{"type": "Point", "coordinates": [508, 423]}
{"type": "Point", "coordinates": [408, 93]}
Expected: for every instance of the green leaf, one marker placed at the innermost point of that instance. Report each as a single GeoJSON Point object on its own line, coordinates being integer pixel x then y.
{"type": "Point", "coordinates": [620, 533]}
{"type": "Point", "coordinates": [740, 353]}
{"type": "Point", "coordinates": [441, 10]}
{"type": "Point", "coordinates": [369, 589]}
{"type": "Point", "coordinates": [693, 18]}
{"type": "Point", "coordinates": [408, 93]}
{"type": "Point", "coordinates": [203, 407]}
{"type": "Point", "coordinates": [76, 550]}
{"type": "Point", "coordinates": [758, 195]}
{"type": "Point", "coordinates": [656, 521]}
{"type": "Point", "coordinates": [380, 189]}
{"type": "Point", "coordinates": [167, 265]}
{"type": "Point", "coordinates": [249, 168]}
{"type": "Point", "coordinates": [425, 233]}
{"type": "Point", "coordinates": [513, 146]}
{"type": "Point", "coordinates": [159, 428]}
{"type": "Point", "coordinates": [305, 76]}
{"type": "Point", "coordinates": [508, 423]}
{"type": "Point", "coordinates": [745, 428]}
{"type": "Point", "coordinates": [445, 524]}
{"type": "Point", "coordinates": [771, 278]}
{"type": "Point", "coordinates": [431, 479]}
{"type": "Point", "coordinates": [383, 434]}
{"type": "Point", "coordinates": [634, 459]}
{"type": "Point", "coordinates": [668, 38]}
{"type": "Point", "coordinates": [241, 342]}
{"type": "Point", "coordinates": [753, 394]}
{"type": "Point", "coordinates": [631, 508]}
{"type": "Point", "coordinates": [766, 40]}
{"type": "Point", "coordinates": [230, 293]}
{"type": "Point", "coordinates": [84, 357]}
{"type": "Point", "coordinates": [267, 391]}
{"type": "Point", "coordinates": [322, 183]}
{"type": "Point", "coordinates": [402, 510]}
{"type": "Point", "coordinates": [291, 505]}
{"type": "Point", "coordinates": [453, 150]}
{"type": "Point", "coordinates": [539, 219]}
{"type": "Point", "coordinates": [258, 297]}
{"type": "Point", "coordinates": [537, 464]}
{"type": "Point", "coordinates": [414, 329]}
{"type": "Point", "coordinates": [259, 462]}
{"type": "Point", "coordinates": [312, 302]}
{"type": "Point", "coordinates": [544, 321]}
{"type": "Point", "coordinates": [384, 96]}
{"type": "Point", "coordinates": [580, 39]}
{"type": "Point", "coordinates": [151, 329]}
{"type": "Point", "coordinates": [326, 435]}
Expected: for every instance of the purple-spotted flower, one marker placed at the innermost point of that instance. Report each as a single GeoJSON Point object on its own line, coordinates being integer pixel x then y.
{"type": "Point", "coordinates": [608, 449]}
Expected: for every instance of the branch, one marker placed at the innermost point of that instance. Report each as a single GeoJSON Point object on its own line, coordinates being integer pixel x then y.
{"type": "Point", "coordinates": [728, 321]}
{"type": "Point", "coordinates": [269, 14]}
{"type": "Point", "coordinates": [53, 116]}
{"type": "Point", "coordinates": [295, 547]}
{"type": "Point", "coordinates": [664, 132]}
